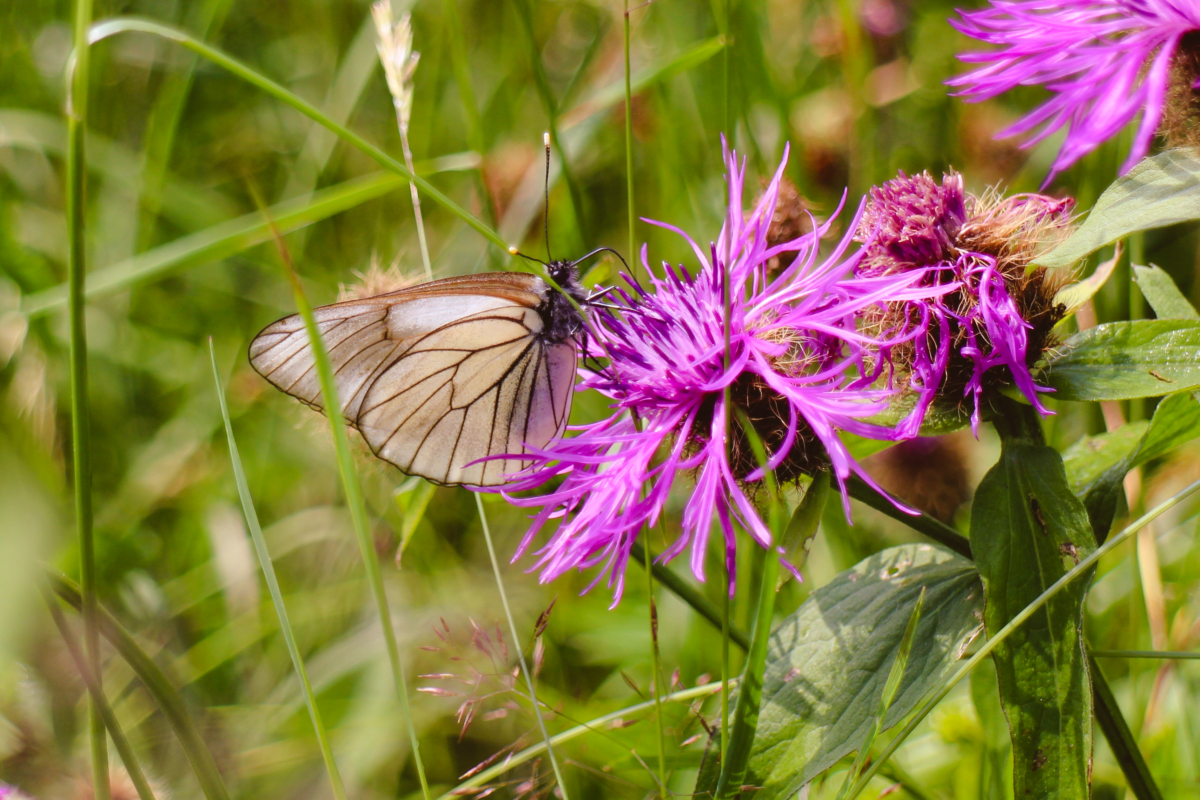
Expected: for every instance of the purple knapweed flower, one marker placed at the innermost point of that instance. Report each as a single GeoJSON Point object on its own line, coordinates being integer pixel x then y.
{"type": "Point", "coordinates": [799, 369]}
{"type": "Point", "coordinates": [999, 314]}
{"type": "Point", "coordinates": [1104, 61]}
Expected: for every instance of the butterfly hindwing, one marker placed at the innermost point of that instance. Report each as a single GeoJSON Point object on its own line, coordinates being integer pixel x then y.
{"type": "Point", "coordinates": [438, 376]}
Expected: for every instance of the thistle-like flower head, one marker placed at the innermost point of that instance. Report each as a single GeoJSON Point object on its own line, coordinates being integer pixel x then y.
{"type": "Point", "coordinates": [796, 366]}
{"type": "Point", "coordinates": [1104, 62]}
{"type": "Point", "coordinates": [1000, 313]}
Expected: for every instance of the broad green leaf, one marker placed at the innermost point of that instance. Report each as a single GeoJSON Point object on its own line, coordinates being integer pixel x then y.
{"type": "Point", "coordinates": [829, 661]}
{"type": "Point", "coordinates": [1027, 531]}
{"type": "Point", "coordinates": [1096, 465]}
{"type": "Point", "coordinates": [1176, 421]}
{"type": "Point", "coordinates": [1159, 191]}
{"type": "Point", "coordinates": [1073, 296]}
{"type": "Point", "coordinates": [895, 675]}
{"type": "Point", "coordinates": [1124, 360]}
{"type": "Point", "coordinates": [1162, 294]}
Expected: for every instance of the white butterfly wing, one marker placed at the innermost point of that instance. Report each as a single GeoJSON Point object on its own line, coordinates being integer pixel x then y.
{"type": "Point", "coordinates": [436, 377]}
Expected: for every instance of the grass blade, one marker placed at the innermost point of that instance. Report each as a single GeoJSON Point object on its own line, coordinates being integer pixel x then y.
{"type": "Point", "coordinates": [157, 684]}
{"type": "Point", "coordinates": [78, 85]}
{"type": "Point", "coordinates": [112, 27]}
{"type": "Point", "coordinates": [136, 776]}
{"type": "Point", "coordinates": [355, 501]}
{"type": "Point", "coordinates": [268, 568]}
{"type": "Point", "coordinates": [221, 241]}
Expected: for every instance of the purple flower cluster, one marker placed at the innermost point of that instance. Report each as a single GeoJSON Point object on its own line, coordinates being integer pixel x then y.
{"type": "Point", "coordinates": [917, 226]}
{"type": "Point", "coordinates": [793, 337]}
{"type": "Point", "coordinates": [1104, 61]}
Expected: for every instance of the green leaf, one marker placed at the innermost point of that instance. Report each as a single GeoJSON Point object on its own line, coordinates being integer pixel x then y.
{"type": "Point", "coordinates": [1159, 191]}
{"type": "Point", "coordinates": [895, 675]}
{"type": "Point", "coordinates": [412, 498]}
{"type": "Point", "coordinates": [828, 662]}
{"type": "Point", "coordinates": [1162, 294]}
{"type": "Point", "coordinates": [1096, 465]}
{"type": "Point", "coordinates": [268, 569]}
{"type": "Point", "coordinates": [1125, 360]}
{"type": "Point", "coordinates": [1073, 296]}
{"type": "Point", "coordinates": [994, 769]}
{"type": "Point", "coordinates": [797, 538]}
{"type": "Point", "coordinates": [1027, 531]}
{"type": "Point", "coordinates": [1176, 421]}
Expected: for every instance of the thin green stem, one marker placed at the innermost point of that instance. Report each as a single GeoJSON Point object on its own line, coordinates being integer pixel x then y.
{"type": "Point", "coordinates": [118, 25]}
{"type": "Point", "coordinates": [1163, 654]}
{"type": "Point", "coordinates": [268, 568]}
{"type": "Point", "coordinates": [730, 129]}
{"type": "Point", "coordinates": [596, 725]}
{"type": "Point", "coordinates": [466, 92]}
{"type": "Point", "coordinates": [688, 594]}
{"type": "Point", "coordinates": [81, 456]}
{"type": "Point", "coordinates": [656, 683]}
{"type": "Point", "coordinates": [726, 402]}
{"type": "Point", "coordinates": [109, 719]}
{"type": "Point", "coordinates": [939, 531]}
{"type": "Point", "coordinates": [356, 503]}
{"type": "Point", "coordinates": [416, 197]}
{"type": "Point", "coordinates": [629, 148]}
{"type": "Point", "coordinates": [1075, 572]}
{"type": "Point", "coordinates": [160, 687]}
{"type": "Point", "coordinates": [512, 629]}
{"type": "Point", "coordinates": [542, 83]}
{"type": "Point", "coordinates": [656, 680]}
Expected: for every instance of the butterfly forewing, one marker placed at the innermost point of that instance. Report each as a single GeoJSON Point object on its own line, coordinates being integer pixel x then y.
{"type": "Point", "coordinates": [437, 376]}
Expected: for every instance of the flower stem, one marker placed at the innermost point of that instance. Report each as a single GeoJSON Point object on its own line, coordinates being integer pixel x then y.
{"type": "Point", "coordinates": [416, 197]}
{"type": "Point", "coordinates": [629, 148]}
{"type": "Point", "coordinates": [512, 629]}
{"type": "Point", "coordinates": [81, 456]}
{"type": "Point", "coordinates": [656, 680]}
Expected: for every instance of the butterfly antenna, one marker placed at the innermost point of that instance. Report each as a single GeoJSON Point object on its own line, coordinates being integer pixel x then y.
{"type": "Point", "coordinates": [546, 193]}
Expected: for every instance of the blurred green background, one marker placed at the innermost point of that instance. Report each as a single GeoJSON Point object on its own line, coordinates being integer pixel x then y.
{"type": "Point", "coordinates": [178, 148]}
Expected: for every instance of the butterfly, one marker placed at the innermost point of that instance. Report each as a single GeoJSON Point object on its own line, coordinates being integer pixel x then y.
{"type": "Point", "coordinates": [443, 374]}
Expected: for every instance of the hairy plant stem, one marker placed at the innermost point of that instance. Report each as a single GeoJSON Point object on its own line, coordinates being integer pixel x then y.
{"type": "Point", "coordinates": [512, 629]}
{"type": "Point", "coordinates": [81, 445]}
